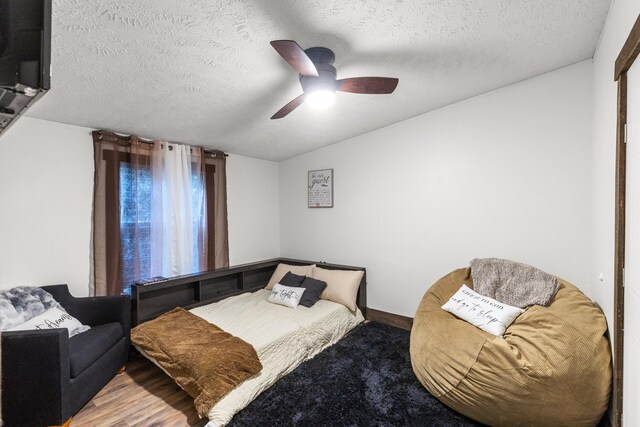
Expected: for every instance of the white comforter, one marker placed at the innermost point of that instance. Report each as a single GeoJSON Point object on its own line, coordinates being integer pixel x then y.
{"type": "Point", "coordinates": [283, 338]}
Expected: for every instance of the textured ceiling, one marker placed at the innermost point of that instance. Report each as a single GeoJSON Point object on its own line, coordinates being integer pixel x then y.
{"type": "Point", "coordinates": [202, 71]}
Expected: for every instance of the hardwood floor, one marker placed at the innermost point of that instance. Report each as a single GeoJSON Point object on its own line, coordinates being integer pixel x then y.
{"type": "Point", "coordinates": [142, 396]}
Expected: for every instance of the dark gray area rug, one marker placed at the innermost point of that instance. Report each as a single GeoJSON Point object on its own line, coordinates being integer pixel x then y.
{"type": "Point", "coordinates": [366, 379]}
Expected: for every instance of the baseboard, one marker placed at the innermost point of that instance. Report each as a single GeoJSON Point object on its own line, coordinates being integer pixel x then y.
{"type": "Point", "coordinates": [396, 320]}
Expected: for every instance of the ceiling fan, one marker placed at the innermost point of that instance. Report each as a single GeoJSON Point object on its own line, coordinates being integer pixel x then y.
{"type": "Point", "coordinates": [318, 77]}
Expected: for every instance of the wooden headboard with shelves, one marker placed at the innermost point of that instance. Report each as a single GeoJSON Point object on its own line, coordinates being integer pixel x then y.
{"type": "Point", "coordinates": [193, 290]}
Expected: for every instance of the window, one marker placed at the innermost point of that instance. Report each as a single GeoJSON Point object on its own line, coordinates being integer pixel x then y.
{"type": "Point", "coordinates": [135, 224]}
{"type": "Point", "coordinates": [159, 210]}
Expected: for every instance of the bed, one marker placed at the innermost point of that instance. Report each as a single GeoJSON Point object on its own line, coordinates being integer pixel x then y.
{"type": "Point", "coordinates": [281, 336]}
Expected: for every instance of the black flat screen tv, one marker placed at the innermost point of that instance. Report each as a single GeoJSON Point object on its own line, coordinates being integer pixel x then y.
{"type": "Point", "coordinates": [25, 56]}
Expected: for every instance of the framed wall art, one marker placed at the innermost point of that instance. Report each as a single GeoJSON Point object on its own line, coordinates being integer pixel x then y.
{"type": "Point", "coordinates": [320, 188]}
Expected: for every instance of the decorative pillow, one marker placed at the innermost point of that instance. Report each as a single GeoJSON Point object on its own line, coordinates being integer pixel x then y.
{"type": "Point", "coordinates": [291, 279]}
{"type": "Point", "coordinates": [286, 295]}
{"type": "Point", "coordinates": [313, 290]}
{"type": "Point", "coordinates": [342, 285]}
{"type": "Point", "coordinates": [282, 269]}
{"type": "Point", "coordinates": [52, 319]}
{"type": "Point", "coordinates": [484, 312]}
{"type": "Point", "coordinates": [23, 303]}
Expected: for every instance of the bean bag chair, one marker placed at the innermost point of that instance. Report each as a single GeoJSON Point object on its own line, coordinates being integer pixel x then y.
{"type": "Point", "coordinates": [552, 367]}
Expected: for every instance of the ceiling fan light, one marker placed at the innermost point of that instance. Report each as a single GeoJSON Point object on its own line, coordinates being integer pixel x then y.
{"type": "Point", "coordinates": [320, 98]}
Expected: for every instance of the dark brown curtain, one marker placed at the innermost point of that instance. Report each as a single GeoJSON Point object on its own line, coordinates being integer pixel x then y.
{"type": "Point", "coordinates": [111, 151]}
{"type": "Point", "coordinates": [115, 261]}
{"type": "Point", "coordinates": [217, 227]}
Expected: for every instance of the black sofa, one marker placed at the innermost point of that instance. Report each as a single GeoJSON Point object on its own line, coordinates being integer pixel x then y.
{"type": "Point", "coordinates": [48, 377]}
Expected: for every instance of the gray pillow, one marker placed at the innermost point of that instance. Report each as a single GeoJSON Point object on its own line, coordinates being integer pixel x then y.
{"type": "Point", "coordinates": [313, 290]}
{"type": "Point", "coordinates": [291, 279]}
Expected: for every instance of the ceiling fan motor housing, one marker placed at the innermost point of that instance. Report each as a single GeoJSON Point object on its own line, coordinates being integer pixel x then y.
{"type": "Point", "coordinates": [323, 60]}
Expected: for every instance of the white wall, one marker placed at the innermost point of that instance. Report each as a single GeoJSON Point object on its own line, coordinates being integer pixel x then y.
{"type": "Point", "coordinates": [622, 15]}
{"type": "Point", "coordinates": [46, 188]}
{"type": "Point", "coordinates": [504, 174]}
{"type": "Point", "coordinates": [253, 203]}
{"type": "Point", "coordinates": [46, 194]}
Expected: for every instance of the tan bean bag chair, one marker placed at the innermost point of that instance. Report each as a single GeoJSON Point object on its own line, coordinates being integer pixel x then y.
{"type": "Point", "coordinates": [551, 368]}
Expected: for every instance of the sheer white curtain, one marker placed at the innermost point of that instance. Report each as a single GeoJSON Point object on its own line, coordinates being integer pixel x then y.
{"type": "Point", "coordinates": [177, 210]}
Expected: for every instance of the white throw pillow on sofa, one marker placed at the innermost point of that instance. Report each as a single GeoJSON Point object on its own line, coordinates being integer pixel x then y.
{"type": "Point", "coordinates": [52, 319]}
{"type": "Point", "coordinates": [486, 313]}
{"type": "Point", "coordinates": [285, 295]}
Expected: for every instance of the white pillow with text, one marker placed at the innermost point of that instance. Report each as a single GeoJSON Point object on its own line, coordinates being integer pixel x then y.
{"type": "Point", "coordinates": [484, 312]}
{"type": "Point", "coordinates": [285, 295]}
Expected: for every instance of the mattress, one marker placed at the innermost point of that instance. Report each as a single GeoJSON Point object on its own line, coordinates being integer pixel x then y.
{"type": "Point", "coordinates": [283, 338]}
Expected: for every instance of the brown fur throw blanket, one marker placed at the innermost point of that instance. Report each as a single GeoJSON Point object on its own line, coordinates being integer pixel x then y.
{"type": "Point", "coordinates": [513, 283]}
{"type": "Point", "coordinates": [204, 360]}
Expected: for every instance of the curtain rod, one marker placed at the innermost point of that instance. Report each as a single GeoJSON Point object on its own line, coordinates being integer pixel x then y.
{"type": "Point", "coordinates": [114, 137]}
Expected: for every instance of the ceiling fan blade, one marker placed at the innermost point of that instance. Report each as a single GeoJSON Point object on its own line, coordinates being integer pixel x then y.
{"type": "Point", "coordinates": [295, 56]}
{"type": "Point", "coordinates": [368, 85]}
{"type": "Point", "coordinates": [292, 105]}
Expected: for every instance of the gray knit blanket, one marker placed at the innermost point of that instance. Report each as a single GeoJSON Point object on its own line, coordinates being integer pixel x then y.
{"type": "Point", "coordinates": [513, 283]}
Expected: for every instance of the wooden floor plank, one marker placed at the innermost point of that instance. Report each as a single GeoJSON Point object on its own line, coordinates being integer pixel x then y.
{"type": "Point", "coordinates": [142, 396]}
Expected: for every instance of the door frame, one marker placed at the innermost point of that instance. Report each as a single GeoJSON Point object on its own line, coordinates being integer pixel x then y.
{"type": "Point", "coordinates": [627, 56]}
